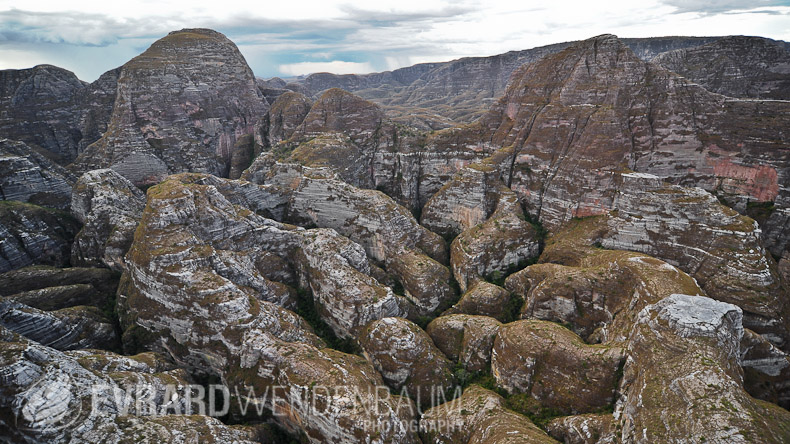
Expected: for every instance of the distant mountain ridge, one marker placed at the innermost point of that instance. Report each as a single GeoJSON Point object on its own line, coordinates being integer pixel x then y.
{"type": "Point", "coordinates": [439, 95]}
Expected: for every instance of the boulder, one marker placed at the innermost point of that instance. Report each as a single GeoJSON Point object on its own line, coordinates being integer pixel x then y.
{"type": "Point", "coordinates": [465, 339]}
{"type": "Point", "coordinates": [552, 365]}
{"type": "Point", "coordinates": [487, 299]}
{"type": "Point", "coordinates": [407, 359]}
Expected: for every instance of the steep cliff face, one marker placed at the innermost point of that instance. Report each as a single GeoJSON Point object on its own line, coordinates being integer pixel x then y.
{"type": "Point", "coordinates": [54, 112]}
{"type": "Point", "coordinates": [735, 66]}
{"type": "Point", "coordinates": [27, 176]}
{"type": "Point", "coordinates": [578, 116]}
{"type": "Point", "coordinates": [34, 235]}
{"type": "Point", "coordinates": [39, 107]}
{"type": "Point", "coordinates": [180, 106]}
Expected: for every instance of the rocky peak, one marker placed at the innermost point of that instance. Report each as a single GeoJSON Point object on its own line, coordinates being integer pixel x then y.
{"type": "Point", "coordinates": [38, 107]}
{"type": "Point", "coordinates": [339, 110]}
{"type": "Point", "coordinates": [181, 106]}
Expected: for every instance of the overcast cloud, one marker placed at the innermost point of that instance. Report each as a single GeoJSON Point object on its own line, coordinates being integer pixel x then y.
{"type": "Point", "coordinates": [299, 37]}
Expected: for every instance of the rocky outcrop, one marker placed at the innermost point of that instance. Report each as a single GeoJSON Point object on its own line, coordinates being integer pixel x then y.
{"type": "Point", "coordinates": [285, 116]}
{"type": "Point", "coordinates": [34, 235]}
{"type": "Point", "coordinates": [425, 282]}
{"type": "Point", "coordinates": [34, 278]}
{"type": "Point", "coordinates": [27, 176]}
{"type": "Point", "coordinates": [554, 366]}
{"type": "Point", "coordinates": [336, 271]}
{"type": "Point", "coordinates": [735, 66]}
{"type": "Point", "coordinates": [723, 250]}
{"type": "Point", "coordinates": [196, 244]}
{"type": "Point", "coordinates": [468, 200]}
{"type": "Point", "coordinates": [109, 207]}
{"type": "Point", "coordinates": [495, 247]}
{"type": "Point", "coordinates": [65, 329]}
{"type": "Point", "coordinates": [487, 299]}
{"type": "Point", "coordinates": [339, 110]}
{"type": "Point", "coordinates": [367, 217]}
{"type": "Point", "coordinates": [170, 114]}
{"type": "Point", "coordinates": [194, 290]}
{"type": "Point", "coordinates": [337, 152]}
{"type": "Point", "coordinates": [766, 369]}
{"type": "Point", "coordinates": [478, 416]}
{"type": "Point", "coordinates": [682, 370]}
{"type": "Point", "coordinates": [583, 429]}
{"type": "Point", "coordinates": [407, 359]}
{"type": "Point", "coordinates": [413, 168]}
{"type": "Point", "coordinates": [597, 293]}
{"type": "Point", "coordinates": [389, 234]}
{"type": "Point", "coordinates": [465, 339]}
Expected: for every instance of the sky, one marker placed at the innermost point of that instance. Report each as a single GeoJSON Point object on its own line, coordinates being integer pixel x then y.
{"type": "Point", "coordinates": [289, 38]}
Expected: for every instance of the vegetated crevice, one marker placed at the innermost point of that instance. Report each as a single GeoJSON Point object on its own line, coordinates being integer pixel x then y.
{"type": "Point", "coordinates": [306, 308]}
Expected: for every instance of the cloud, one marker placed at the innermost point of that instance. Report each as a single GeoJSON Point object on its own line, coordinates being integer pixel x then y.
{"type": "Point", "coordinates": [290, 38]}
{"type": "Point", "coordinates": [710, 7]}
{"type": "Point", "coordinates": [335, 66]}
{"type": "Point", "coordinates": [75, 28]}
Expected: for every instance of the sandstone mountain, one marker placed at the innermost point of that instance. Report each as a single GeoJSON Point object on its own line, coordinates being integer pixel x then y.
{"type": "Point", "coordinates": [168, 115]}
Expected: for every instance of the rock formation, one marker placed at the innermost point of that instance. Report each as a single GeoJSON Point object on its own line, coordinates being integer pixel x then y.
{"type": "Point", "coordinates": [478, 416]}
{"type": "Point", "coordinates": [34, 235]}
{"type": "Point", "coordinates": [195, 249]}
{"type": "Point", "coordinates": [616, 233]}
{"type": "Point", "coordinates": [554, 366]}
{"type": "Point", "coordinates": [170, 116]}
{"type": "Point", "coordinates": [407, 359]}
{"type": "Point", "coordinates": [735, 66]}
{"type": "Point", "coordinates": [467, 340]}
{"type": "Point", "coordinates": [27, 176]}
{"type": "Point", "coordinates": [682, 368]}
{"type": "Point", "coordinates": [617, 113]}
{"type": "Point", "coordinates": [40, 109]}
{"type": "Point", "coordinates": [109, 207]}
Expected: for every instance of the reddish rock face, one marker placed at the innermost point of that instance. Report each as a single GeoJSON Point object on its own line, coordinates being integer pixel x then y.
{"type": "Point", "coordinates": [576, 117]}
{"type": "Point", "coordinates": [169, 117]}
